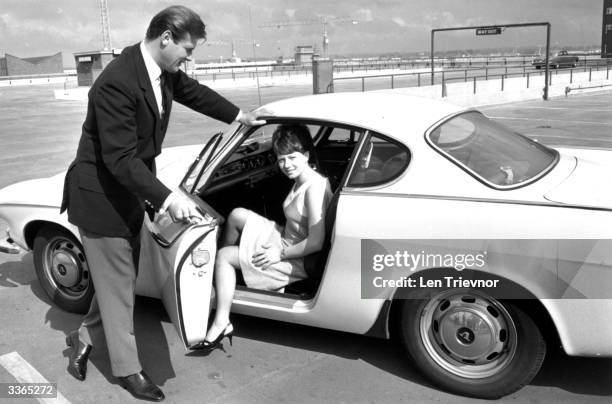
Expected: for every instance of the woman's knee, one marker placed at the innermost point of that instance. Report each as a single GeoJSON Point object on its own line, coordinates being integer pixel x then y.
{"type": "Point", "coordinates": [228, 256]}
{"type": "Point", "coordinates": [237, 217]}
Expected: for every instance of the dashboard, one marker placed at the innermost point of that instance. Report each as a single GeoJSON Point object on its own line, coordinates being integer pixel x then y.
{"type": "Point", "coordinates": [253, 167]}
{"type": "Point", "coordinates": [245, 164]}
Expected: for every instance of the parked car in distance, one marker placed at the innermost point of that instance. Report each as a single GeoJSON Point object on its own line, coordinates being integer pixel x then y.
{"type": "Point", "coordinates": [562, 59]}
{"type": "Point", "coordinates": [408, 174]}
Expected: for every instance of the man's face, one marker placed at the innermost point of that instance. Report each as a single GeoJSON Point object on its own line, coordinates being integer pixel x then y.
{"type": "Point", "coordinates": [174, 54]}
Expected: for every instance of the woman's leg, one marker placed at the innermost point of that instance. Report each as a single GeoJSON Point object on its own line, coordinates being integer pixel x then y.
{"type": "Point", "coordinates": [233, 227]}
{"type": "Point", "coordinates": [225, 283]}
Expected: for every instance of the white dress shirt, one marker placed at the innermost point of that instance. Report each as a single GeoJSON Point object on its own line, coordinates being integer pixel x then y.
{"type": "Point", "coordinates": [154, 72]}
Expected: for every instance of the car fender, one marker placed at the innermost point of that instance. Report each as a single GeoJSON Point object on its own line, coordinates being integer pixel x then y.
{"type": "Point", "coordinates": [582, 325]}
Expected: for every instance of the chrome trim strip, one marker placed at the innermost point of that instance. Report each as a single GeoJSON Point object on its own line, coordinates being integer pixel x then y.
{"type": "Point", "coordinates": [352, 192]}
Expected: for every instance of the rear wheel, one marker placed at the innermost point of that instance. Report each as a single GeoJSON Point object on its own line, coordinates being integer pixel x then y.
{"type": "Point", "coordinates": [470, 343]}
{"type": "Point", "coordinates": [62, 270]}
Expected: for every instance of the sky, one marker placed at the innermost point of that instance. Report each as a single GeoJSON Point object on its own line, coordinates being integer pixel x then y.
{"type": "Point", "coordinates": [30, 28]}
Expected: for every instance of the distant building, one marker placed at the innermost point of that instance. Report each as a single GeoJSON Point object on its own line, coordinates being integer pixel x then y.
{"type": "Point", "coordinates": [303, 54]}
{"type": "Point", "coordinates": [89, 65]}
{"type": "Point", "coordinates": [606, 35]}
{"type": "Point", "coordinates": [15, 66]}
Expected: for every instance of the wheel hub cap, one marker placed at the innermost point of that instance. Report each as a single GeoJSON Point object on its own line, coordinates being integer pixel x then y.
{"type": "Point", "coordinates": [468, 333]}
{"type": "Point", "coordinates": [65, 268]}
{"type": "Point", "coordinates": [465, 336]}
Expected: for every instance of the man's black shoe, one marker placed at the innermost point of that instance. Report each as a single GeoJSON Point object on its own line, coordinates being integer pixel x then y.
{"type": "Point", "coordinates": [77, 362]}
{"type": "Point", "coordinates": [140, 386]}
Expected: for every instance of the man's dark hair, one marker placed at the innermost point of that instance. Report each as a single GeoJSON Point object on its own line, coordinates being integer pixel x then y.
{"type": "Point", "coordinates": [180, 21]}
{"type": "Point", "coordinates": [290, 138]}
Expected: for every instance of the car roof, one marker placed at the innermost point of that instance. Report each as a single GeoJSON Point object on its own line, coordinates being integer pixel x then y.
{"type": "Point", "coordinates": [388, 112]}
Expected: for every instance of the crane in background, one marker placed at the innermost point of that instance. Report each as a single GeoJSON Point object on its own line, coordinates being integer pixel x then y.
{"type": "Point", "coordinates": [324, 21]}
{"type": "Point", "coordinates": [105, 22]}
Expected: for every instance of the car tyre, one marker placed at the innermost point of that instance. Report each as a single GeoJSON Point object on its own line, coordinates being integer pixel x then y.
{"type": "Point", "coordinates": [62, 270]}
{"type": "Point", "coordinates": [503, 354]}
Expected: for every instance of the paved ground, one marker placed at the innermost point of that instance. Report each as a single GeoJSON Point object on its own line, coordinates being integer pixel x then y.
{"type": "Point", "coordinates": [270, 361]}
{"type": "Point", "coordinates": [583, 120]}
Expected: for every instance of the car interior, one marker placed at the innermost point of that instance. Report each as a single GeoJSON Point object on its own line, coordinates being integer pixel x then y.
{"type": "Point", "coordinates": [249, 177]}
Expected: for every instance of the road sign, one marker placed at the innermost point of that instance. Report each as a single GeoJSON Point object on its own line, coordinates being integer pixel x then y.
{"type": "Point", "coordinates": [488, 31]}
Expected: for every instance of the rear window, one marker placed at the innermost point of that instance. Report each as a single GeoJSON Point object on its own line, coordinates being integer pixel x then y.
{"type": "Point", "coordinates": [381, 160]}
{"type": "Point", "coordinates": [490, 151]}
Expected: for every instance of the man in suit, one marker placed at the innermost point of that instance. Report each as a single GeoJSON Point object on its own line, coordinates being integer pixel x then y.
{"type": "Point", "coordinates": [113, 176]}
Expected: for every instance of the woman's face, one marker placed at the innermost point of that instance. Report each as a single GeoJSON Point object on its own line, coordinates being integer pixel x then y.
{"type": "Point", "coordinates": [292, 164]}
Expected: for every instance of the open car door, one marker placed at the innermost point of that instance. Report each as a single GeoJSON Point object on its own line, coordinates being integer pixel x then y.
{"type": "Point", "coordinates": [181, 257]}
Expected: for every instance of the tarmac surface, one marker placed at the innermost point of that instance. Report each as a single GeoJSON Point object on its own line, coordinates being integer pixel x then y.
{"type": "Point", "coordinates": [270, 361]}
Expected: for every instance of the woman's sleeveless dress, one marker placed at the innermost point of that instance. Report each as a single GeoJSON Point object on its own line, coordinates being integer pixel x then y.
{"type": "Point", "coordinates": [260, 231]}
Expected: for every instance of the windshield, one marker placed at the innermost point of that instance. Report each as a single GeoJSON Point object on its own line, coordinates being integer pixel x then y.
{"type": "Point", "coordinates": [215, 144]}
{"type": "Point", "coordinates": [197, 167]}
{"type": "Point", "coordinates": [490, 151]}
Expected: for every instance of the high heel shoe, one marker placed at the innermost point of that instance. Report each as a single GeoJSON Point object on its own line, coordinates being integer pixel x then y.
{"type": "Point", "coordinates": [209, 346]}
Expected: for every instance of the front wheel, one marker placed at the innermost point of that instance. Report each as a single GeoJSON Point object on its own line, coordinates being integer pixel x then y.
{"type": "Point", "coordinates": [470, 343]}
{"type": "Point", "coordinates": [62, 270]}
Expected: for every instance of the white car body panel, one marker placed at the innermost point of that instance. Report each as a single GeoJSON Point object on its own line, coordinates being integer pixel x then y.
{"type": "Point", "coordinates": [582, 325]}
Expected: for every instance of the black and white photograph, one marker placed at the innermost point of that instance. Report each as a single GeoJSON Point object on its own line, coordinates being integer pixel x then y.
{"type": "Point", "coordinates": [281, 201]}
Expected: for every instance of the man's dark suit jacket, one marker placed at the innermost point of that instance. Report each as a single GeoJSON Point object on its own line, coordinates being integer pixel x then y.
{"type": "Point", "coordinates": [114, 169]}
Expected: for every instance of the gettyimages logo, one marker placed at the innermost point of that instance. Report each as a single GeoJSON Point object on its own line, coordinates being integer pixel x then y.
{"type": "Point", "coordinates": [504, 268]}
{"type": "Point", "coordinates": [411, 261]}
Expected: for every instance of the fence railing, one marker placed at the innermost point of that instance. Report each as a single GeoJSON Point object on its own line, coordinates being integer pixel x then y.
{"type": "Point", "coordinates": [234, 75]}
{"type": "Point", "coordinates": [445, 77]}
{"type": "Point", "coordinates": [35, 78]}
{"type": "Point", "coordinates": [528, 75]}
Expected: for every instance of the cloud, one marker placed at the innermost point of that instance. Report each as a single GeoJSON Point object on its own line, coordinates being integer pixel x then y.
{"type": "Point", "coordinates": [439, 19]}
{"type": "Point", "coordinates": [363, 15]}
{"type": "Point", "coordinates": [399, 21]}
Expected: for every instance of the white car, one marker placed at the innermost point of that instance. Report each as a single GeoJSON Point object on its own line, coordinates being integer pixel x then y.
{"type": "Point", "coordinates": [472, 245]}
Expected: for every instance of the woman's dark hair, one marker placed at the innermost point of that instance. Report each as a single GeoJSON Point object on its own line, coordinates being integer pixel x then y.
{"type": "Point", "coordinates": [290, 138]}
{"type": "Point", "coordinates": [180, 21]}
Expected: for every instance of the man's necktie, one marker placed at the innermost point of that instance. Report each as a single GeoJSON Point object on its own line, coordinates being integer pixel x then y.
{"type": "Point", "coordinates": [162, 86]}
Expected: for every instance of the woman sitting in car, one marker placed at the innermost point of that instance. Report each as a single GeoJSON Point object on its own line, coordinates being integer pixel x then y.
{"type": "Point", "coordinates": [269, 255]}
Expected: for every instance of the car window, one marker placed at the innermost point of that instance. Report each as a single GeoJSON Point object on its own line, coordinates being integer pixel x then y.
{"type": "Point", "coordinates": [262, 132]}
{"type": "Point", "coordinates": [380, 160]}
{"type": "Point", "coordinates": [490, 151]}
{"type": "Point", "coordinates": [265, 132]}
{"type": "Point", "coordinates": [341, 135]}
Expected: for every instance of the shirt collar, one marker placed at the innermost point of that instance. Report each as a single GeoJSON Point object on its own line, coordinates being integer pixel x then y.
{"type": "Point", "coordinates": [153, 69]}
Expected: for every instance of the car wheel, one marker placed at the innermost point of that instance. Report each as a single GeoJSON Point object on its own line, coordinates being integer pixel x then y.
{"type": "Point", "coordinates": [62, 269]}
{"type": "Point", "coordinates": [470, 343]}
